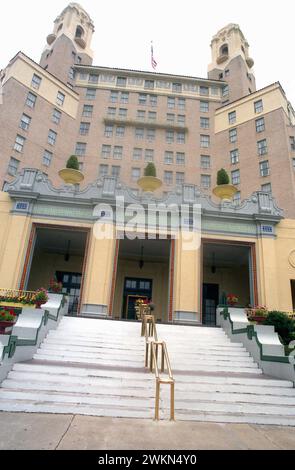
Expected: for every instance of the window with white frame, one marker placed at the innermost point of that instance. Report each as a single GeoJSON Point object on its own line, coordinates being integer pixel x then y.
{"type": "Point", "coordinates": [204, 106]}
{"type": "Point", "coordinates": [168, 158]}
{"type": "Point", "coordinates": [233, 135]}
{"type": "Point", "coordinates": [234, 156]}
{"type": "Point", "coordinates": [204, 122]}
{"type": "Point", "coordinates": [168, 177]}
{"type": "Point", "coordinates": [205, 141]}
{"type": "Point", "coordinates": [52, 136]}
{"type": "Point", "coordinates": [31, 100]}
{"type": "Point", "coordinates": [93, 78]}
{"type": "Point", "coordinates": [120, 131]}
{"type": "Point", "coordinates": [19, 143]}
{"type": "Point", "coordinates": [169, 136]}
{"type": "Point", "coordinates": [80, 148]}
{"type": "Point", "coordinates": [237, 198]}
{"type": "Point", "coordinates": [121, 81]}
{"type": "Point", "coordinates": [106, 151]}
{"type": "Point", "coordinates": [137, 154]}
{"type": "Point", "coordinates": [266, 188]}
{"type": "Point", "coordinates": [262, 147]}
{"type": "Point", "coordinates": [56, 116]}
{"type": "Point", "coordinates": [205, 161]}
{"type": "Point", "coordinates": [108, 130]}
{"type": "Point", "coordinates": [170, 117]}
{"type": "Point", "coordinates": [171, 102]}
{"type": "Point", "coordinates": [13, 166]}
{"type": "Point", "coordinates": [122, 112]}
{"type": "Point", "coordinates": [177, 87]}
{"type": "Point", "coordinates": [139, 132]}
{"type": "Point", "coordinates": [135, 174]}
{"type": "Point", "coordinates": [103, 170]}
{"type": "Point", "coordinates": [258, 106]}
{"type": "Point", "coordinates": [112, 111]}
{"type": "Point", "coordinates": [180, 137]}
{"type": "Point", "coordinates": [36, 82]}
{"type": "Point", "coordinates": [87, 110]}
{"type": "Point", "coordinates": [47, 158]}
{"type": "Point", "coordinates": [152, 115]}
{"type": "Point", "coordinates": [264, 168]}
{"type": "Point", "coordinates": [149, 84]}
{"type": "Point", "coordinates": [116, 171]}
{"type": "Point", "coordinates": [235, 177]}
{"type": "Point", "coordinates": [232, 117]}
{"type": "Point", "coordinates": [84, 128]}
{"type": "Point", "coordinates": [204, 90]}
{"type": "Point", "coordinates": [25, 122]}
{"type": "Point", "coordinates": [90, 94]}
{"type": "Point", "coordinates": [60, 99]}
{"type": "Point", "coordinates": [151, 134]}
{"type": "Point", "coordinates": [142, 98]}
{"type": "Point", "coordinates": [260, 125]}
{"type": "Point", "coordinates": [149, 155]}
{"type": "Point", "coordinates": [153, 100]}
{"type": "Point", "coordinates": [179, 177]}
{"type": "Point", "coordinates": [180, 158]}
{"type": "Point", "coordinates": [124, 97]}
{"type": "Point", "coordinates": [118, 152]}
{"type": "Point", "coordinates": [181, 103]}
{"type": "Point", "coordinates": [205, 181]}
{"type": "Point", "coordinates": [225, 90]}
{"type": "Point", "coordinates": [140, 114]}
{"type": "Point", "coordinates": [71, 73]}
{"type": "Point", "coordinates": [114, 96]}
{"type": "Point", "coordinates": [181, 119]}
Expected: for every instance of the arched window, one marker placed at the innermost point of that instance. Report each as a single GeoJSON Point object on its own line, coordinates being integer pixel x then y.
{"type": "Point", "coordinates": [79, 32]}
{"type": "Point", "coordinates": [224, 49]}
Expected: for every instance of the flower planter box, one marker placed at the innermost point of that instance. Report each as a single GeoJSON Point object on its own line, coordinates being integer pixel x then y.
{"type": "Point", "coordinates": [257, 318]}
{"type": "Point", "coordinates": [14, 304]}
{"type": "Point", "coordinates": [4, 325]}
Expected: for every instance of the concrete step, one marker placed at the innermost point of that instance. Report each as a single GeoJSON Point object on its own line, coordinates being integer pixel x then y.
{"type": "Point", "coordinates": [234, 408]}
{"type": "Point", "coordinates": [215, 417]}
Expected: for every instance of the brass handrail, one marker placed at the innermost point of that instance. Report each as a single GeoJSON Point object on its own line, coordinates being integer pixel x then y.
{"type": "Point", "coordinates": [149, 330]}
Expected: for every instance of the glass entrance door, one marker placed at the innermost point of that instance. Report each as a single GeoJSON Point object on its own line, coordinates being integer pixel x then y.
{"type": "Point", "coordinates": [135, 288]}
{"type": "Point", "coordinates": [72, 287]}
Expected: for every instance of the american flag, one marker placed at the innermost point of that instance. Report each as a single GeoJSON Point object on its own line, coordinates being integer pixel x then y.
{"type": "Point", "coordinates": [154, 63]}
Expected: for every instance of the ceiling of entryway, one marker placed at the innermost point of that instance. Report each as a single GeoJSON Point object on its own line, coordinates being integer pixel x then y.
{"type": "Point", "coordinates": [224, 255]}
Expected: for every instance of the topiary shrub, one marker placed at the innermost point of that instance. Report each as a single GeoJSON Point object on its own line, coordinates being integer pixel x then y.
{"type": "Point", "coordinates": [284, 325]}
{"type": "Point", "coordinates": [150, 170]}
{"type": "Point", "coordinates": [73, 163]}
{"type": "Point", "coordinates": [222, 177]}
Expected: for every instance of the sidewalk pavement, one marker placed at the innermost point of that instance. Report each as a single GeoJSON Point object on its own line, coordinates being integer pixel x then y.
{"type": "Point", "coordinates": [30, 431]}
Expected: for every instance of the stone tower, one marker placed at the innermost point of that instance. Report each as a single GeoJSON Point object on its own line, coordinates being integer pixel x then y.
{"type": "Point", "coordinates": [231, 62]}
{"type": "Point", "coordinates": [69, 43]}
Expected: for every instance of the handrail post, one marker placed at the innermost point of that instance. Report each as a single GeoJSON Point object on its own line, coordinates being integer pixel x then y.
{"type": "Point", "coordinates": [172, 413]}
{"type": "Point", "coordinates": [157, 407]}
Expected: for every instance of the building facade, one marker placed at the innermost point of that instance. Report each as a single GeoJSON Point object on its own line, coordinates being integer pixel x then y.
{"type": "Point", "coordinates": [116, 121]}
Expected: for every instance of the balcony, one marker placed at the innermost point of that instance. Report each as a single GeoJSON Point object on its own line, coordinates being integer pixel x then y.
{"type": "Point", "coordinates": [137, 122]}
{"type": "Point", "coordinates": [222, 58]}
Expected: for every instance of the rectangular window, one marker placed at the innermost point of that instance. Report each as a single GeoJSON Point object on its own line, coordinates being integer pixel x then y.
{"type": "Point", "coordinates": [90, 94]}
{"type": "Point", "coordinates": [149, 155]}
{"type": "Point", "coordinates": [71, 73]}
{"type": "Point", "coordinates": [151, 134]}
{"type": "Point", "coordinates": [84, 128]}
{"type": "Point", "coordinates": [234, 156]}
{"type": "Point", "coordinates": [205, 161]}
{"type": "Point", "coordinates": [103, 170]}
{"type": "Point", "coordinates": [181, 119]}
{"type": "Point", "coordinates": [112, 111]}
{"type": "Point", "coordinates": [180, 158]}
{"type": "Point", "coordinates": [179, 177]}
{"type": "Point", "coordinates": [114, 96]}
{"type": "Point", "coordinates": [47, 158]}
{"type": "Point", "coordinates": [135, 174]}
{"type": "Point", "coordinates": [124, 97]}
{"type": "Point", "coordinates": [233, 135]}
{"type": "Point", "coordinates": [108, 130]}
{"type": "Point", "coordinates": [292, 142]}
{"type": "Point", "coordinates": [153, 100]}
{"type": "Point", "coordinates": [169, 137]}
{"type": "Point", "coordinates": [225, 90]}
{"type": "Point", "coordinates": [171, 102]}
{"type": "Point", "coordinates": [150, 84]}
{"type": "Point", "coordinates": [264, 168]}
{"type": "Point", "coordinates": [80, 148]}
{"type": "Point", "coordinates": [106, 151]}
{"type": "Point", "coordinates": [262, 147]}
{"type": "Point", "coordinates": [205, 181]}
{"type": "Point", "coordinates": [137, 154]}
{"type": "Point", "coordinates": [170, 117]}
{"type": "Point", "coordinates": [19, 143]}
{"type": "Point", "coordinates": [142, 98]}
{"type": "Point", "coordinates": [140, 114]}
{"type": "Point", "coordinates": [87, 110]}
{"type": "Point", "coordinates": [121, 81]}
{"type": "Point", "coordinates": [36, 82]}
{"type": "Point", "coordinates": [260, 125]}
{"type": "Point", "coordinates": [25, 122]}
{"type": "Point", "coordinates": [266, 188]}
{"type": "Point", "coordinates": [204, 90]}
{"type": "Point", "coordinates": [181, 103]}
{"type": "Point", "coordinates": [177, 87]}
{"type": "Point", "coordinates": [60, 99]}
{"type": "Point", "coordinates": [116, 171]}
{"type": "Point", "coordinates": [139, 132]}
{"type": "Point", "coordinates": [237, 198]}
{"type": "Point", "coordinates": [258, 106]}
{"type": "Point", "coordinates": [168, 177]}
{"type": "Point", "coordinates": [13, 166]}
{"type": "Point", "coordinates": [120, 131]}
{"type": "Point", "coordinates": [232, 117]}
{"type": "Point", "coordinates": [205, 141]}
{"type": "Point", "coordinates": [152, 116]}
{"type": "Point", "coordinates": [204, 106]}
{"type": "Point", "coordinates": [168, 158]}
{"type": "Point", "coordinates": [204, 123]}
{"type": "Point", "coordinates": [122, 112]}
{"type": "Point", "coordinates": [31, 100]}
{"type": "Point", "coordinates": [118, 152]}
{"type": "Point", "coordinates": [235, 177]}
{"type": "Point", "coordinates": [93, 78]}
{"type": "Point", "coordinates": [52, 137]}
{"type": "Point", "coordinates": [180, 137]}
{"type": "Point", "coordinates": [56, 116]}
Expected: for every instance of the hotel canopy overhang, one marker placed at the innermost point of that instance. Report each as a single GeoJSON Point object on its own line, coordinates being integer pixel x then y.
{"type": "Point", "coordinates": [33, 205]}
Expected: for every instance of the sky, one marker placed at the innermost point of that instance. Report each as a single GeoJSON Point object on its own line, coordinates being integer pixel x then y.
{"type": "Point", "coordinates": [181, 32]}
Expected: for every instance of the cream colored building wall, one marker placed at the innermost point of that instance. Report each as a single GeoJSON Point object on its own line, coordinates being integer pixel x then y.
{"type": "Point", "coordinates": [157, 272]}
{"type": "Point", "coordinates": [273, 98]}
{"type": "Point", "coordinates": [22, 70]}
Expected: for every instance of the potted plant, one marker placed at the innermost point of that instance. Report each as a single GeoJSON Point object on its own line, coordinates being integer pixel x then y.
{"type": "Point", "coordinates": [149, 182]}
{"type": "Point", "coordinates": [224, 190]}
{"type": "Point", "coordinates": [232, 300]}
{"type": "Point", "coordinates": [71, 174]}
{"type": "Point", "coordinates": [55, 286]}
{"type": "Point", "coordinates": [258, 314]}
{"type": "Point", "coordinates": [7, 319]}
{"type": "Point", "coordinates": [41, 297]}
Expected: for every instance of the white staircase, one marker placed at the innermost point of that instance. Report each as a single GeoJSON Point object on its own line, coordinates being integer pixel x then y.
{"type": "Point", "coordinates": [95, 367]}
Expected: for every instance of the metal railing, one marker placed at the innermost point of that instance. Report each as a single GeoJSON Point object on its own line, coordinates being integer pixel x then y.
{"type": "Point", "coordinates": [152, 347]}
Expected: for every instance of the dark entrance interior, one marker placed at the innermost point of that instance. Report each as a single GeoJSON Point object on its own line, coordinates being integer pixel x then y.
{"type": "Point", "coordinates": [135, 289]}
{"type": "Point", "coordinates": [58, 253]}
{"type": "Point", "coordinates": [227, 269]}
